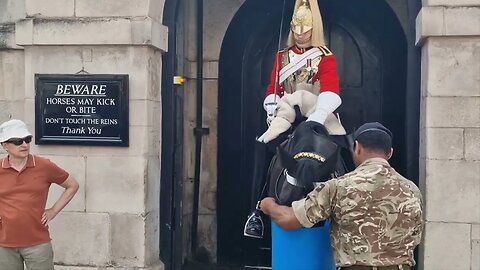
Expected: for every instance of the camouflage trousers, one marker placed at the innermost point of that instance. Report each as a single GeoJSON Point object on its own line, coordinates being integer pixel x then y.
{"type": "Point", "coordinates": [362, 267]}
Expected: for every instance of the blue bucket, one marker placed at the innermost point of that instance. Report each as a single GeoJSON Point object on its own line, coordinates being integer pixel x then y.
{"type": "Point", "coordinates": [305, 249]}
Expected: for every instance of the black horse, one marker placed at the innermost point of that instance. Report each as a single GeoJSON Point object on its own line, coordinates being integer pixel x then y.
{"type": "Point", "coordinates": [307, 156]}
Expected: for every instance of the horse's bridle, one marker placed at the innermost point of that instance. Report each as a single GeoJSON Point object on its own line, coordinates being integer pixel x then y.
{"type": "Point", "coordinates": [310, 155]}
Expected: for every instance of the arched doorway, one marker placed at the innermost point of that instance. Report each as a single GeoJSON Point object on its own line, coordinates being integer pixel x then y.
{"type": "Point", "coordinates": [371, 51]}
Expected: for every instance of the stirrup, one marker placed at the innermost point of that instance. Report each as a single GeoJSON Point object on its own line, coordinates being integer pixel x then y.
{"type": "Point", "coordinates": [254, 226]}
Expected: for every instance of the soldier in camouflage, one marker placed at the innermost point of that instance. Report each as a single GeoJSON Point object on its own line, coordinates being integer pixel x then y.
{"type": "Point", "coordinates": [376, 213]}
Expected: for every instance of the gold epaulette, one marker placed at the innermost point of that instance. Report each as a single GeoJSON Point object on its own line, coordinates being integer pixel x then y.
{"type": "Point", "coordinates": [326, 51]}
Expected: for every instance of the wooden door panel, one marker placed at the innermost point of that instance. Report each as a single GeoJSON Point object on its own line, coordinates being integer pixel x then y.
{"type": "Point", "coordinates": [358, 70]}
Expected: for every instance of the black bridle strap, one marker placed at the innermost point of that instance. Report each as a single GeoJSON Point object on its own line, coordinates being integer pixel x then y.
{"type": "Point", "coordinates": [269, 171]}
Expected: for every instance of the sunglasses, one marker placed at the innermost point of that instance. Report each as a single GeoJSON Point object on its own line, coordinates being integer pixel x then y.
{"type": "Point", "coordinates": [19, 141]}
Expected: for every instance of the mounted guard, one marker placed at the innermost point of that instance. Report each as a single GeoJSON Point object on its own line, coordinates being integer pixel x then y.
{"type": "Point", "coordinates": [304, 86]}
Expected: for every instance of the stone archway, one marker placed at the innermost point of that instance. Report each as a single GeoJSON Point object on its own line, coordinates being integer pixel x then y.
{"type": "Point", "coordinates": [372, 60]}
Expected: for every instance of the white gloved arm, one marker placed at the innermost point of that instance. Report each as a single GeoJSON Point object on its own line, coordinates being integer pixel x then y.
{"type": "Point", "coordinates": [327, 103]}
{"type": "Point", "coordinates": [270, 105]}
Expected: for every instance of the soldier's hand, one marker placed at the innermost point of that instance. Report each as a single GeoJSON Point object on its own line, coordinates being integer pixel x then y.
{"type": "Point", "coordinates": [266, 204]}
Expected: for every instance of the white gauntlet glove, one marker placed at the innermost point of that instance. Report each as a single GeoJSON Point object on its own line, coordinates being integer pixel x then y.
{"type": "Point", "coordinates": [327, 103]}
{"type": "Point", "coordinates": [270, 105]}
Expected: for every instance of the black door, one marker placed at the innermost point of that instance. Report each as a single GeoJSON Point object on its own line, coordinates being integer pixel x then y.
{"type": "Point", "coordinates": [370, 47]}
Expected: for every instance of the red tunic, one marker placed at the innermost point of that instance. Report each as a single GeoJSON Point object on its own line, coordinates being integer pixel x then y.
{"type": "Point", "coordinates": [327, 73]}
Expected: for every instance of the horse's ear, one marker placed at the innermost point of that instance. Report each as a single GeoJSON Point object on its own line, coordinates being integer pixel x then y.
{"type": "Point", "coordinates": [287, 161]}
{"type": "Point", "coordinates": [350, 143]}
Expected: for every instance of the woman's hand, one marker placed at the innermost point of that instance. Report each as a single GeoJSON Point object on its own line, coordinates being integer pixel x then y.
{"type": "Point", "coordinates": [48, 215]}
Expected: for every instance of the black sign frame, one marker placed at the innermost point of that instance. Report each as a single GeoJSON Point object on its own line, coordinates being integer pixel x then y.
{"type": "Point", "coordinates": [106, 100]}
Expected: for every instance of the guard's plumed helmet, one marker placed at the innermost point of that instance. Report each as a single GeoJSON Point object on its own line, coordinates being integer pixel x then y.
{"type": "Point", "coordinates": [306, 16]}
{"type": "Point", "coordinates": [302, 20]}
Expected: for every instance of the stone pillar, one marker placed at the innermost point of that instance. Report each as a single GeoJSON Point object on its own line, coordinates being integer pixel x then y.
{"type": "Point", "coordinates": [449, 34]}
{"type": "Point", "coordinates": [12, 84]}
{"type": "Point", "coordinates": [113, 222]}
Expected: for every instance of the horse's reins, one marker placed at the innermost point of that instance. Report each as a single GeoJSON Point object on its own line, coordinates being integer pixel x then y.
{"type": "Point", "coordinates": [262, 193]}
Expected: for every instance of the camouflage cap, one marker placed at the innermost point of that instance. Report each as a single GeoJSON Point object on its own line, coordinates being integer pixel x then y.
{"type": "Point", "coordinates": [372, 126]}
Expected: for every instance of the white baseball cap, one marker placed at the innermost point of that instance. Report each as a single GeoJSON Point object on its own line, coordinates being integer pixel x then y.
{"type": "Point", "coordinates": [13, 129]}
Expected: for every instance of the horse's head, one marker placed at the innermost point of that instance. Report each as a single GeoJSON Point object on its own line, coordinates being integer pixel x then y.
{"type": "Point", "coordinates": [309, 155]}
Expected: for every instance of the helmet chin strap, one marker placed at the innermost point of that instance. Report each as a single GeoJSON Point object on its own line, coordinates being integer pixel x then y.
{"type": "Point", "coordinates": [304, 45]}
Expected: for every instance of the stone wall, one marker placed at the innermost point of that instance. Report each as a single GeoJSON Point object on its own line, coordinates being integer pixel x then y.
{"type": "Point", "coordinates": [217, 17]}
{"type": "Point", "coordinates": [449, 34]}
{"type": "Point", "coordinates": [12, 82]}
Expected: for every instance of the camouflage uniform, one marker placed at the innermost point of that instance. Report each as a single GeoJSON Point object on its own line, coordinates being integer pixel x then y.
{"type": "Point", "coordinates": [376, 215]}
